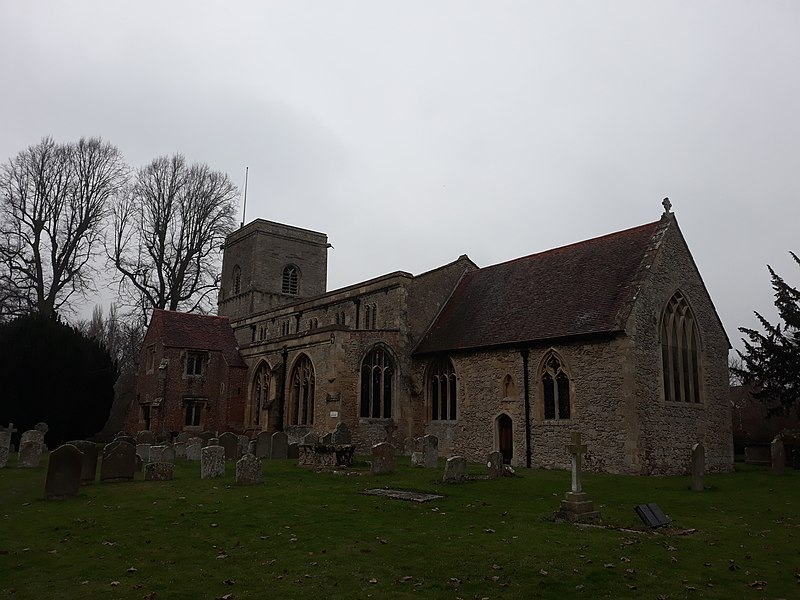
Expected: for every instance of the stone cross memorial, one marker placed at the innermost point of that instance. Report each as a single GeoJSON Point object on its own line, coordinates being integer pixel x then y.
{"type": "Point", "coordinates": [576, 506]}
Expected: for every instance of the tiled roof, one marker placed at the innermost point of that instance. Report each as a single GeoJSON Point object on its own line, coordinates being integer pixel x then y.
{"type": "Point", "coordinates": [198, 332]}
{"type": "Point", "coordinates": [582, 289]}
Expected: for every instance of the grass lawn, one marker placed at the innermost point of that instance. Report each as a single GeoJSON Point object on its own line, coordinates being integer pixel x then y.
{"type": "Point", "coordinates": [304, 534]}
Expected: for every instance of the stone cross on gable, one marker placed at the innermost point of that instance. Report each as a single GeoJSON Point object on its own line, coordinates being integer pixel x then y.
{"type": "Point", "coordinates": [576, 450]}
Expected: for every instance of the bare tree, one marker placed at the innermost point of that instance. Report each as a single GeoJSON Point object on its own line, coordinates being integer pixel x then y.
{"type": "Point", "coordinates": [53, 202]}
{"type": "Point", "coordinates": [167, 234]}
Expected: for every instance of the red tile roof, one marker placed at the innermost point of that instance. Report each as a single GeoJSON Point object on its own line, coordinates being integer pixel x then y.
{"type": "Point", "coordinates": [581, 289]}
{"type": "Point", "coordinates": [197, 332]}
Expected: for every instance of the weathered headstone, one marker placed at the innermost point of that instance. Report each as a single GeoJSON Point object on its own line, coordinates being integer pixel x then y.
{"type": "Point", "coordinates": [167, 455]}
{"type": "Point", "coordinates": [193, 451]}
{"type": "Point", "coordinates": [214, 441]}
{"type": "Point", "coordinates": [248, 470]}
{"type": "Point", "coordinates": [29, 454]}
{"type": "Point", "coordinates": [180, 450]}
{"type": "Point", "coordinates": [4, 452]}
{"type": "Point", "coordinates": [35, 436]}
{"type": "Point", "coordinates": [310, 439]}
{"type": "Point", "coordinates": [778, 454]}
{"type": "Point", "coordinates": [195, 440]}
{"type": "Point", "coordinates": [251, 447]}
{"type": "Point", "coordinates": [293, 451]}
{"type": "Point", "coordinates": [118, 462]}
{"type": "Point", "coordinates": [63, 473]}
{"type": "Point", "coordinates": [155, 453]}
{"type": "Point", "coordinates": [341, 435]}
{"type": "Point", "coordinates": [244, 444]}
{"type": "Point", "coordinates": [42, 428]}
{"type": "Point", "coordinates": [5, 444]}
{"type": "Point", "coordinates": [418, 458]}
{"type": "Point", "coordinates": [89, 462]}
{"type": "Point", "coordinates": [698, 467]}
{"type": "Point", "coordinates": [263, 444]}
{"type": "Point", "coordinates": [280, 445]}
{"type": "Point", "coordinates": [576, 505]}
{"type": "Point", "coordinates": [326, 440]}
{"type": "Point", "coordinates": [159, 471]}
{"type": "Point", "coordinates": [382, 458]}
{"type": "Point", "coordinates": [455, 470]}
{"type": "Point", "coordinates": [143, 452]}
{"type": "Point", "coordinates": [230, 442]}
{"type": "Point", "coordinates": [146, 437]}
{"type": "Point", "coordinates": [430, 451]}
{"type": "Point", "coordinates": [183, 437]}
{"type": "Point", "coordinates": [494, 465]}
{"type": "Point", "coordinates": [127, 439]}
{"type": "Point", "coordinates": [206, 436]}
{"type": "Point", "coordinates": [212, 462]}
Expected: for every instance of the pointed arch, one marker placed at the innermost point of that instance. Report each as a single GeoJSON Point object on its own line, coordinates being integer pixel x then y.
{"type": "Point", "coordinates": [508, 388]}
{"type": "Point", "coordinates": [302, 383]}
{"type": "Point", "coordinates": [680, 352]}
{"type": "Point", "coordinates": [237, 279]}
{"type": "Point", "coordinates": [555, 387]}
{"type": "Point", "coordinates": [260, 395]}
{"type": "Point", "coordinates": [377, 383]}
{"type": "Point", "coordinates": [442, 390]}
{"type": "Point", "coordinates": [504, 434]}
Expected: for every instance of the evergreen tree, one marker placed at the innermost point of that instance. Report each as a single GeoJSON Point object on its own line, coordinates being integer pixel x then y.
{"type": "Point", "coordinates": [53, 373]}
{"type": "Point", "coordinates": [771, 360]}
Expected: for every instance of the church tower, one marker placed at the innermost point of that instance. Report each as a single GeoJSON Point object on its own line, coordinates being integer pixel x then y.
{"type": "Point", "coordinates": [267, 264]}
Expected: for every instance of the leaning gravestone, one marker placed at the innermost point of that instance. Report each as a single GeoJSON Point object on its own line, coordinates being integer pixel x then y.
{"type": "Point", "coordinates": [180, 450]}
{"type": "Point", "coordinates": [341, 435]}
{"type": "Point", "coordinates": [159, 471]}
{"type": "Point", "coordinates": [146, 437]}
{"type": "Point", "coordinates": [698, 467]}
{"type": "Point", "coordinates": [230, 442]}
{"type": "Point", "coordinates": [29, 454]}
{"type": "Point", "coordinates": [382, 458]}
{"type": "Point", "coordinates": [143, 451]}
{"type": "Point", "coordinates": [118, 462]}
{"type": "Point", "coordinates": [193, 451]}
{"type": "Point", "coordinates": [248, 470]}
{"type": "Point", "coordinates": [455, 470]}
{"type": "Point", "coordinates": [280, 445]}
{"type": "Point", "coordinates": [263, 444]}
{"type": "Point", "coordinates": [494, 465]}
{"type": "Point", "coordinates": [778, 455]}
{"type": "Point", "coordinates": [89, 462]}
{"type": "Point", "coordinates": [63, 473]}
{"type": "Point", "coordinates": [212, 462]}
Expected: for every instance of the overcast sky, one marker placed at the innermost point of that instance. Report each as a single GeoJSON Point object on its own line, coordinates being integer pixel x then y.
{"type": "Point", "coordinates": [413, 132]}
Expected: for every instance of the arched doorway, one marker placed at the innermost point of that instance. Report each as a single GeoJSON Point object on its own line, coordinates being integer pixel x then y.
{"type": "Point", "coordinates": [505, 438]}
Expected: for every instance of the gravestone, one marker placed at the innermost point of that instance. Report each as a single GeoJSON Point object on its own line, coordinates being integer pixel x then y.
{"type": "Point", "coordinates": [778, 455]}
{"type": "Point", "coordinates": [698, 467]}
{"type": "Point", "coordinates": [417, 458]}
{"type": "Point", "coordinates": [155, 453]}
{"type": "Point", "coordinates": [310, 439]}
{"type": "Point", "coordinates": [382, 458]}
{"type": "Point", "coordinates": [212, 441]}
{"type": "Point", "coordinates": [212, 462]}
{"type": "Point", "coordinates": [341, 435]}
{"type": "Point", "coordinates": [430, 451]}
{"type": "Point", "coordinates": [4, 452]}
{"type": "Point", "coordinates": [137, 464]}
{"type": "Point", "coordinates": [244, 445]}
{"type": "Point", "coordinates": [118, 462]}
{"type": "Point", "coordinates": [326, 440]}
{"type": "Point", "coordinates": [5, 443]}
{"type": "Point", "coordinates": [651, 515]}
{"type": "Point", "coordinates": [180, 450]}
{"type": "Point", "coordinates": [32, 435]}
{"type": "Point", "coordinates": [455, 470]}
{"type": "Point", "coordinates": [248, 470]}
{"type": "Point", "coordinates": [159, 471]}
{"type": "Point", "coordinates": [146, 437]}
{"type": "Point", "coordinates": [143, 452]}
{"type": "Point", "coordinates": [230, 442]}
{"type": "Point", "coordinates": [576, 505]}
{"type": "Point", "coordinates": [280, 445]}
{"type": "Point", "coordinates": [251, 447]}
{"type": "Point", "coordinates": [263, 444]}
{"type": "Point", "coordinates": [183, 437]}
{"type": "Point", "coordinates": [194, 440]}
{"type": "Point", "coordinates": [293, 451]}
{"type": "Point", "coordinates": [89, 462]}
{"type": "Point", "coordinates": [42, 428]}
{"type": "Point", "coordinates": [29, 454]}
{"type": "Point", "coordinates": [206, 437]}
{"type": "Point", "coordinates": [167, 455]}
{"type": "Point", "coordinates": [193, 451]}
{"type": "Point", "coordinates": [126, 438]}
{"type": "Point", "coordinates": [494, 465]}
{"type": "Point", "coordinates": [63, 473]}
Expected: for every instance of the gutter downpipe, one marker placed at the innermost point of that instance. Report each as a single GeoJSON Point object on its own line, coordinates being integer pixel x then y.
{"type": "Point", "coordinates": [285, 357]}
{"type": "Point", "coordinates": [526, 391]}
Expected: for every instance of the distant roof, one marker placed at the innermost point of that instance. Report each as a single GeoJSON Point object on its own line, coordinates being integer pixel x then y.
{"type": "Point", "coordinates": [580, 289]}
{"type": "Point", "coordinates": [197, 332]}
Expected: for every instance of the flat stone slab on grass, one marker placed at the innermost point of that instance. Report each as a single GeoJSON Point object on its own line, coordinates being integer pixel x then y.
{"type": "Point", "coordinates": [402, 495]}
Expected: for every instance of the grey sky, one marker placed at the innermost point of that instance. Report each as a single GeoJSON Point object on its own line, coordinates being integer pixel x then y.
{"type": "Point", "coordinates": [413, 132]}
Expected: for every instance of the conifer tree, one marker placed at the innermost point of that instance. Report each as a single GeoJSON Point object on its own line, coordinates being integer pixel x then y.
{"type": "Point", "coordinates": [771, 360]}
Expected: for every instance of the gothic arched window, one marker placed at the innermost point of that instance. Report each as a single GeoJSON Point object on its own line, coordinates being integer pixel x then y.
{"type": "Point", "coordinates": [680, 352]}
{"type": "Point", "coordinates": [290, 280]}
{"type": "Point", "coordinates": [555, 388]}
{"type": "Point", "coordinates": [260, 397]}
{"type": "Point", "coordinates": [237, 280]}
{"type": "Point", "coordinates": [377, 380]}
{"type": "Point", "coordinates": [301, 405]}
{"type": "Point", "coordinates": [443, 390]}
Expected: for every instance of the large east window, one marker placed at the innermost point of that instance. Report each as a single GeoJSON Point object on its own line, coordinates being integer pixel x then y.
{"type": "Point", "coordinates": [680, 352]}
{"type": "Point", "coordinates": [377, 380]}
{"type": "Point", "coordinates": [301, 405]}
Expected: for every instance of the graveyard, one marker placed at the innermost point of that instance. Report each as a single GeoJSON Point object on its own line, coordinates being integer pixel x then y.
{"type": "Point", "coordinates": [278, 529]}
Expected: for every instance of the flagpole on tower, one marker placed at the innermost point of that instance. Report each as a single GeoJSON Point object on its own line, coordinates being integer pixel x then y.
{"type": "Point", "coordinates": [244, 208]}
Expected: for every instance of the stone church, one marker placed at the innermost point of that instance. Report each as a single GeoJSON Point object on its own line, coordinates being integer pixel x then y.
{"type": "Point", "coordinates": [615, 337]}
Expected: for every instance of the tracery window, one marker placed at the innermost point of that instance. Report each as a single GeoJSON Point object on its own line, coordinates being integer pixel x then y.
{"type": "Point", "coordinates": [290, 280]}
{"type": "Point", "coordinates": [260, 398]}
{"type": "Point", "coordinates": [237, 279]}
{"type": "Point", "coordinates": [555, 388]}
{"type": "Point", "coordinates": [301, 407]}
{"type": "Point", "coordinates": [377, 380]}
{"type": "Point", "coordinates": [680, 352]}
{"type": "Point", "coordinates": [443, 390]}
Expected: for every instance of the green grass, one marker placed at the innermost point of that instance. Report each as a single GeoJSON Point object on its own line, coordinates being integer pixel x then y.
{"type": "Point", "coordinates": [304, 534]}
